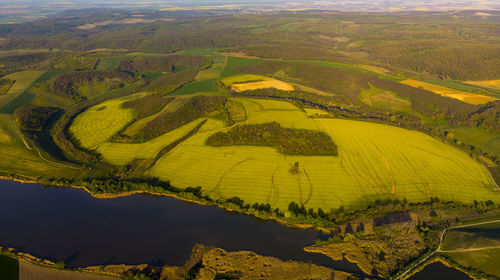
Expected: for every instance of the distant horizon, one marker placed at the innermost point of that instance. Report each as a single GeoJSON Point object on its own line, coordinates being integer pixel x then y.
{"type": "Point", "coordinates": [27, 10]}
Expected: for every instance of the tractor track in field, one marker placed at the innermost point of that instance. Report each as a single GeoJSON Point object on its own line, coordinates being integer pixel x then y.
{"type": "Point", "coordinates": [310, 188]}
{"type": "Point", "coordinates": [300, 189]}
{"type": "Point", "coordinates": [226, 173]}
{"type": "Point", "coordinates": [390, 170]}
{"type": "Point", "coordinates": [274, 189]}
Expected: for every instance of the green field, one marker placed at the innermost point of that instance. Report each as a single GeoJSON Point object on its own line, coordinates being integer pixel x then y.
{"type": "Point", "coordinates": [107, 63]}
{"type": "Point", "coordinates": [214, 71]}
{"type": "Point", "coordinates": [9, 268]}
{"type": "Point", "coordinates": [475, 247]}
{"type": "Point", "coordinates": [487, 235]}
{"type": "Point", "coordinates": [197, 87]}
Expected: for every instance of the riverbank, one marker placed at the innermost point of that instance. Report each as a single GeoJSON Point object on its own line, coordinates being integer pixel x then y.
{"type": "Point", "coordinates": [287, 223]}
{"type": "Point", "coordinates": [30, 266]}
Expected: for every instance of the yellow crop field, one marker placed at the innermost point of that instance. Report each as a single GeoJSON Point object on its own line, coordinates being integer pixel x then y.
{"type": "Point", "coordinates": [452, 93]}
{"type": "Point", "coordinates": [124, 153]}
{"type": "Point", "coordinates": [237, 82]}
{"type": "Point", "coordinates": [264, 84]}
{"type": "Point", "coordinates": [98, 123]}
{"type": "Point", "coordinates": [311, 112]}
{"type": "Point", "coordinates": [139, 124]}
{"type": "Point", "coordinates": [242, 78]}
{"type": "Point", "coordinates": [374, 161]}
{"type": "Point", "coordinates": [494, 84]}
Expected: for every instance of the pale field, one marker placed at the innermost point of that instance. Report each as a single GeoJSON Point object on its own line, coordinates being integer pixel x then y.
{"type": "Point", "coordinates": [121, 21]}
{"type": "Point", "coordinates": [494, 84]}
{"type": "Point", "coordinates": [452, 93]}
{"type": "Point", "coordinates": [375, 161]}
{"type": "Point", "coordinates": [264, 84]}
{"type": "Point", "coordinates": [237, 82]}
{"type": "Point", "coordinates": [23, 80]}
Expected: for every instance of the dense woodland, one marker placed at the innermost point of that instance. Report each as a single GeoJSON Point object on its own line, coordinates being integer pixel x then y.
{"type": "Point", "coordinates": [171, 63]}
{"type": "Point", "coordinates": [34, 118]}
{"type": "Point", "coordinates": [438, 45]}
{"type": "Point", "coordinates": [195, 108]}
{"type": "Point", "coordinates": [67, 84]}
{"type": "Point", "coordinates": [285, 140]}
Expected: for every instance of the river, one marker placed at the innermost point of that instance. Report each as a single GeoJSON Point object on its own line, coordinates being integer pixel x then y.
{"type": "Point", "coordinates": [69, 224]}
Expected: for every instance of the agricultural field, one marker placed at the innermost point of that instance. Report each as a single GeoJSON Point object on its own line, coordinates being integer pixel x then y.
{"type": "Point", "coordinates": [384, 99]}
{"type": "Point", "coordinates": [214, 71]}
{"type": "Point", "coordinates": [99, 123]}
{"type": "Point", "coordinates": [452, 93]}
{"type": "Point", "coordinates": [18, 153]}
{"type": "Point", "coordinates": [494, 84]}
{"type": "Point", "coordinates": [252, 82]}
{"type": "Point", "coordinates": [370, 164]}
{"type": "Point", "coordinates": [108, 63]}
{"type": "Point", "coordinates": [124, 153]}
{"type": "Point", "coordinates": [476, 246]}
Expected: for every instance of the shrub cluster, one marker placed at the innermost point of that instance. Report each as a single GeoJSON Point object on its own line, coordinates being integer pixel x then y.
{"type": "Point", "coordinates": [66, 84]}
{"type": "Point", "coordinates": [34, 118]}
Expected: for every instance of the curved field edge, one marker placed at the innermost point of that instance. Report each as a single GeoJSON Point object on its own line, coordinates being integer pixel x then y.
{"type": "Point", "coordinates": [375, 161]}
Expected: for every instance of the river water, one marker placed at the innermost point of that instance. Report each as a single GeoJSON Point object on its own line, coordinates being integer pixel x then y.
{"type": "Point", "coordinates": [70, 225]}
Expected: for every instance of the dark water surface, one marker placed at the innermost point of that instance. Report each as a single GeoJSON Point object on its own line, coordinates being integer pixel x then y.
{"type": "Point", "coordinates": [439, 271]}
{"type": "Point", "coordinates": [68, 224]}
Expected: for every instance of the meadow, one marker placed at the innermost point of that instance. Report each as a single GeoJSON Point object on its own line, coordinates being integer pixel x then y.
{"type": "Point", "coordinates": [476, 246]}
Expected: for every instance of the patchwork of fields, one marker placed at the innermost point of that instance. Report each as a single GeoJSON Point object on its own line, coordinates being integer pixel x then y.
{"type": "Point", "coordinates": [374, 160]}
